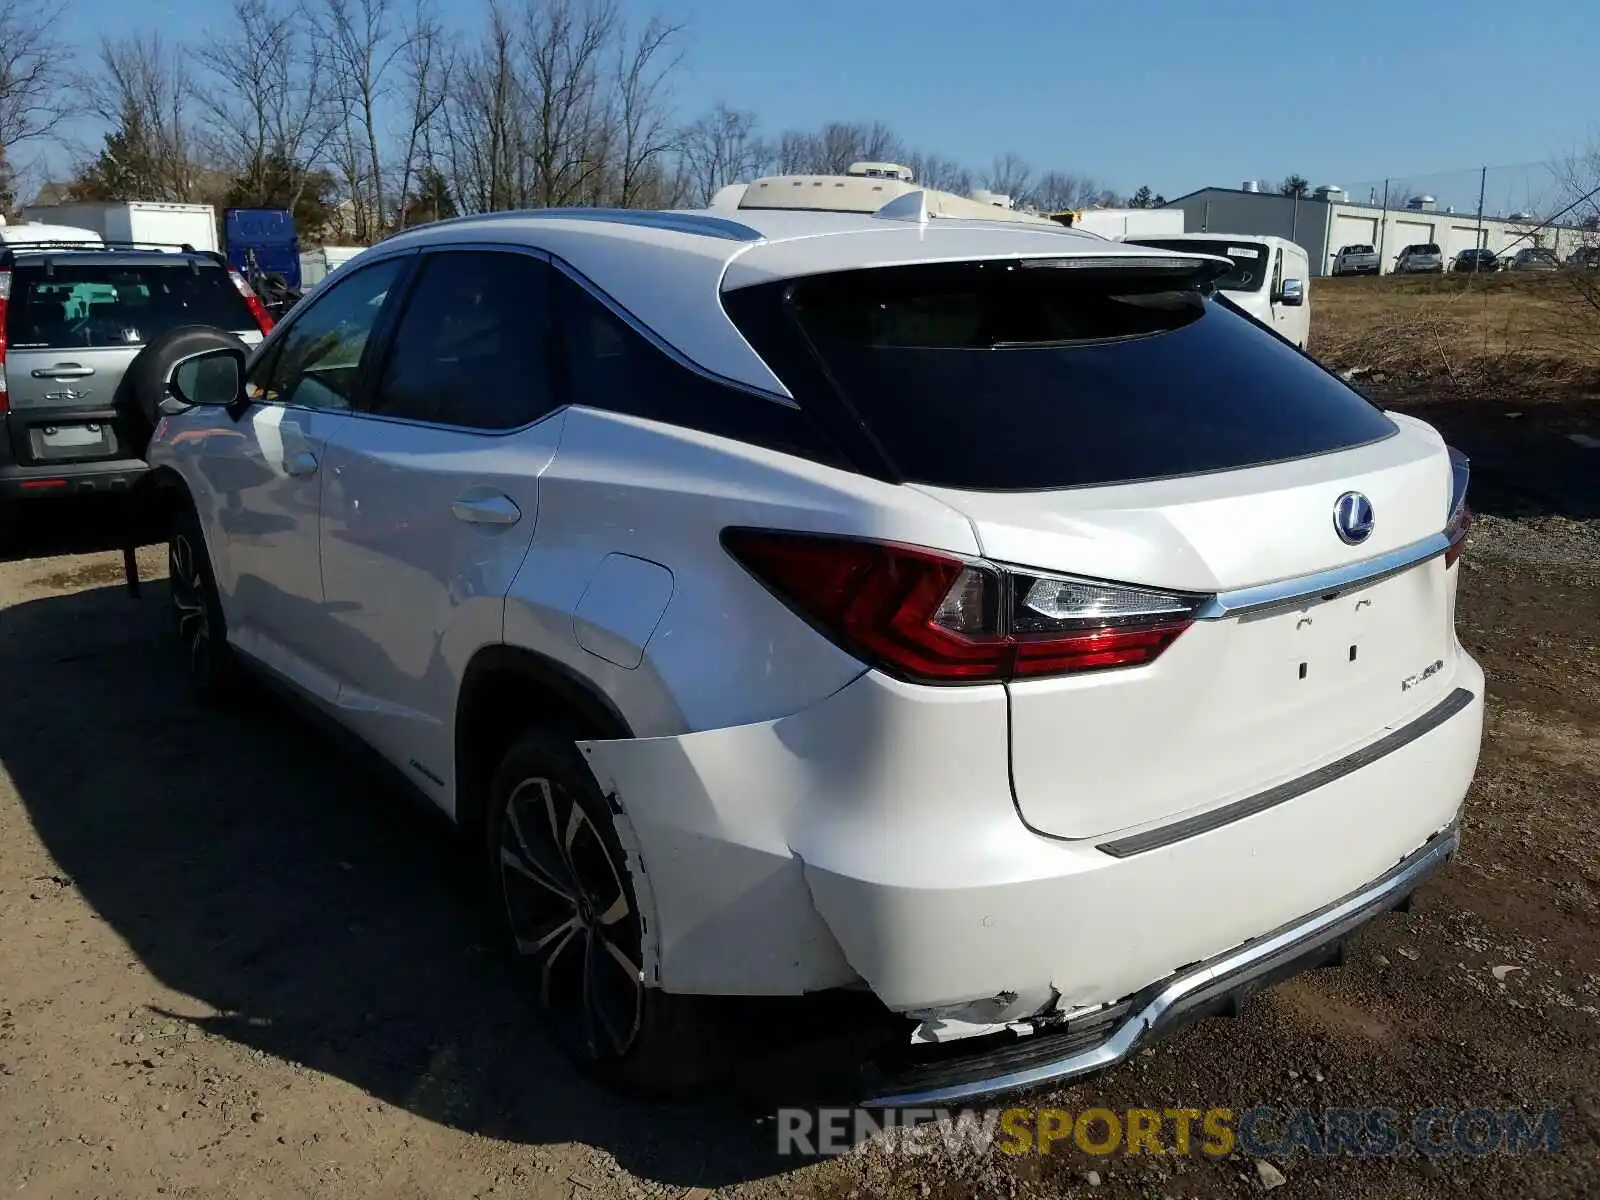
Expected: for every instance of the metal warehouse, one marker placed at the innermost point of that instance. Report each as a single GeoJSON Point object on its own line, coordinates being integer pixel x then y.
{"type": "Point", "coordinates": [1328, 219]}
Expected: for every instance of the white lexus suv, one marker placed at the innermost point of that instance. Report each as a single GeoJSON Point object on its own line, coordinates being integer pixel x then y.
{"type": "Point", "coordinates": [980, 616]}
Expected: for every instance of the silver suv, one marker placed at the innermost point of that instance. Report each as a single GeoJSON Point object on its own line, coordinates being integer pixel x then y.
{"type": "Point", "coordinates": [74, 318]}
{"type": "Point", "coordinates": [1425, 258]}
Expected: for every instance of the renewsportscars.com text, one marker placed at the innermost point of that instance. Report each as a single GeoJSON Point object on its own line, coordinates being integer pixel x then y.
{"type": "Point", "coordinates": [1258, 1131]}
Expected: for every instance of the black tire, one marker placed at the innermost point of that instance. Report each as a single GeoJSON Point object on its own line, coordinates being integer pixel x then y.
{"type": "Point", "coordinates": [197, 621]}
{"type": "Point", "coordinates": [144, 384]}
{"type": "Point", "coordinates": [569, 916]}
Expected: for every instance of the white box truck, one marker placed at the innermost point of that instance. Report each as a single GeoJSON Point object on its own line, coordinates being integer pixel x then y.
{"type": "Point", "coordinates": [149, 221]}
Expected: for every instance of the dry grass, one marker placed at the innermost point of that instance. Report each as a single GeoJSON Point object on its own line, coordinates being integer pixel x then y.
{"type": "Point", "coordinates": [1462, 331]}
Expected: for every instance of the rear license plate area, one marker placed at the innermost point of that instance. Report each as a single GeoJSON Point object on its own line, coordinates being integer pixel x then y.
{"type": "Point", "coordinates": [1359, 636]}
{"type": "Point", "coordinates": [83, 439]}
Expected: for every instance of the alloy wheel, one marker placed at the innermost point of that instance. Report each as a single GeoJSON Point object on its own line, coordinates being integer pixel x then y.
{"type": "Point", "coordinates": [189, 600]}
{"type": "Point", "coordinates": [572, 919]}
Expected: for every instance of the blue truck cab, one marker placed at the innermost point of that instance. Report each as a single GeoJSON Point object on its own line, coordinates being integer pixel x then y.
{"type": "Point", "coordinates": [268, 235]}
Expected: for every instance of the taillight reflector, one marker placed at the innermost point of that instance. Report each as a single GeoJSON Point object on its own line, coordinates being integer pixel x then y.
{"type": "Point", "coordinates": [258, 310]}
{"type": "Point", "coordinates": [932, 617]}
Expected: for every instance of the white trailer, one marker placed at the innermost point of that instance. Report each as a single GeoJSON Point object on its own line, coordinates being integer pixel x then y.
{"type": "Point", "coordinates": [148, 221]}
{"type": "Point", "coordinates": [1127, 223]}
{"type": "Point", "coordinates": [316, 265]}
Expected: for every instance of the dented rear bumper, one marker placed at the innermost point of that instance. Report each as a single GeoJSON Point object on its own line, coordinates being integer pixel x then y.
{"type": "Point", "coordinates": [873, 838]}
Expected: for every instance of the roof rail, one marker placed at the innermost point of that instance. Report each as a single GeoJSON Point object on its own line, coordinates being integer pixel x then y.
{"type": "Point", "coordinates": [676, 220]}
{"type": "Point", "coordinates": [101, 244]}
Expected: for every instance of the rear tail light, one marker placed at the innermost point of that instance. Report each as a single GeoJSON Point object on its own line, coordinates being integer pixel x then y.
{"type": "Point", "coordinates": [5, 303]}
{"type": "Point", "coordinates": [258, 310]}
{"type": "Point", "coordinates": [1459, 523]}
{"type": "Point", "coordinates": [932, 617]}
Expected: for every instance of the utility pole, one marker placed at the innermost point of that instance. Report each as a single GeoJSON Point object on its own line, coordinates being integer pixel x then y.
{"type": "Point", "coordinates": [1483, 181]}
{"type": "Point", "coordinates": [1383, 226]}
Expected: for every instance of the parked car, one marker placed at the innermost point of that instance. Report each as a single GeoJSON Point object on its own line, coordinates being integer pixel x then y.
{"type": "Point", "coordinates": [1585, 258]}
{"type": "Point", "coordinates": [1268, 280]}
{"type": "Point", "coordinates": [1480, 261]}
{"type": "Point", "coordinates": [76, 313]}
{"type": "Point", "coordinates": [1358, 259]}
{"type": "Point", "coordinates": [1534, 258]}
{"type": "Point", "coordinates": [982, 618]}
{"type": "Point", "coordinates": [1422, 259]}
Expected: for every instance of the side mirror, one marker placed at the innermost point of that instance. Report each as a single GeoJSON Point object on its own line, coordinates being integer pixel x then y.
{"type": "Point", "coordinates": [212, 379]}
{"type": "Point", "coordinates": [1294, 293]}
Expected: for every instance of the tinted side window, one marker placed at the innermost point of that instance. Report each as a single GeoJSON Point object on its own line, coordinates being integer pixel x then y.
{"type": "Point", "coordinates": [472, 347]}
{"type": "Point", "coordinates": [316, 363]}
{"type": "Point", "coordinates": [606, 364]}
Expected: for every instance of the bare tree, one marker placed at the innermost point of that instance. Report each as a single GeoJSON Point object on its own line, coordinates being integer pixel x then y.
{"type": "Point", "coordinates": [482, 121]}
{"type": "Point", "coordinates": [720, 148]}
{"type": "Point", "coordinates": [831, 149]}
{"type": "Point", "coordinates": [1058, 191]}
{"type": "Point", "coordinates": [641, 119]}
{"type": "Point", "coordinates": [143, 92]}
{"type": "Point", "coordinates": [265, 101]}
{"type": "Point", "coordinates": [34, 97]}
{"type": "Point", "coordinates": [362, 47]}
{"type": "Point", "coordinates": [427, 63]}
{"type": "Point", "coordinates": [1011, 175]}
{"type": "Point", "coordinates": [936, 171]}
{"type": "Point", "coordinates": [569, 139]}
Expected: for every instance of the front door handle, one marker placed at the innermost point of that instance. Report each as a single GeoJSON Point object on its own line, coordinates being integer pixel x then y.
{"type": "Point", "coordinates": [301, 462]}
{"type": "Point", "coordinates": [64, 370]}
{"type": "Point", "coordinates": [486, 508]}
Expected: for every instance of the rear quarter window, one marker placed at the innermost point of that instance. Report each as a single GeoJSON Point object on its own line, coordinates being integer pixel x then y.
{"type": "Point", "coordinates": [993, 376]}
{"type": "Point", "coordinates": [77, 305]}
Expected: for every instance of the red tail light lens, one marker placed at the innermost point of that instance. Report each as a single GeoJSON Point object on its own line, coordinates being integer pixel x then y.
{"type": "Point", "coordinates": [258, 310]}
{"type": "Point", "coordinates": [932, 617]}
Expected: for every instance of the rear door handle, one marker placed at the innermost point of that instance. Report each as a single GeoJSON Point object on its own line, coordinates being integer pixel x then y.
{"type": "Point", "coordinates": [301, 462]}
{"type": "Point", "coordinates": [486, 508]}
{"type": "Point", "coordinates": [64, 371]}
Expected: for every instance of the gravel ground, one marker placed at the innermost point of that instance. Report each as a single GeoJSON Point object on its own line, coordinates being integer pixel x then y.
{"type": "Point", "coordinates": [232, 966]}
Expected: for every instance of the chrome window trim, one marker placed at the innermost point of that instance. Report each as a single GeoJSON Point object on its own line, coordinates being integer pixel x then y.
{"type": "Point", "coordinates": [1323, 585]}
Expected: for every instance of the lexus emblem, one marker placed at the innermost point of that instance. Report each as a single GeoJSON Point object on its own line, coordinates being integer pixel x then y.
{"type": "Point", "coordinates": [1352, 518]}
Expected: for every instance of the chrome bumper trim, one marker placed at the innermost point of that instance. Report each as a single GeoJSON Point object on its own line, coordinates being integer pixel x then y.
{"type": "Point", "coordinates": [1396, 739]}
{"type": "Point", "coordinates": [1236, 970]}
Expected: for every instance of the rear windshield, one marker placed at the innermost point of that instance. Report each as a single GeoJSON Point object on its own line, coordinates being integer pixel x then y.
{"type": "Point", "coordinates": [1425, 248]}
{"type": "Point", "coordinates": [996, 376]}
{"type": "Point", "coordinates": [1252, 261]}
{"type": "Point", "coordinates": [83, 305]}
{"type": "Point", "coordinates": [1358, 249]}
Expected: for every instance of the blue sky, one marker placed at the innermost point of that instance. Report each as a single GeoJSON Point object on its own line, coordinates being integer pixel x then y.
{"type": "Point", "coordinates": [1174, 94]}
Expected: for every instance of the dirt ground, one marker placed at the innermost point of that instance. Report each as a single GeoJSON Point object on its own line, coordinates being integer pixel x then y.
{"type": "Point", "coordinates": [232, 965]}
{"type": "Point", "coordinates": [1513, 323]}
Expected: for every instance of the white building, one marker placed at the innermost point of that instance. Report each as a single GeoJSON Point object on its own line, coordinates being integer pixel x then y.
{"type": "Point", "coordinates": [1329, 219]}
